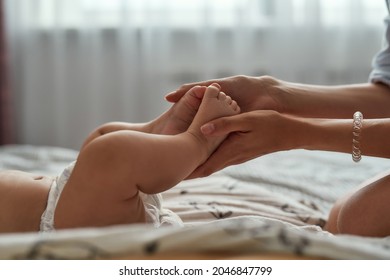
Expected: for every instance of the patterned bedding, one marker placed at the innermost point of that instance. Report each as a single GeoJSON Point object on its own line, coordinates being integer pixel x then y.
{"type": "Point", "coordinates": [274, 204]}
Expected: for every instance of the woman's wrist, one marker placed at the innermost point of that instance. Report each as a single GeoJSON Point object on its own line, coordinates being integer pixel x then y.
{"type": "Point", "coordinates": [320, 134]}
{"type": "Point", "coordinates": [336, 135]}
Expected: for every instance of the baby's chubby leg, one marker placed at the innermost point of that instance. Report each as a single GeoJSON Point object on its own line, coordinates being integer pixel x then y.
{"type": "Point", "coordinates": [158, 162]}
{"type": "Point", "coordinates": [175, 120]}
{"type": "Point", "coordinates": [111, 170]}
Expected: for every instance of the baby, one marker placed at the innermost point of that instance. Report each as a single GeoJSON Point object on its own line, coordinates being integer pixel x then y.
{"type": "Point", "coordinates": [119, 171]}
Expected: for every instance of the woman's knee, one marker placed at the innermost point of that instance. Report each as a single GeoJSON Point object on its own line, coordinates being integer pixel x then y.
{"type": "Point", "coordinates": [346, 217]}
{"type": "Point", "coordinates": [350, 219]}
{"type": "Point", "coordinates": [331, 224]}
{"type": "Point", "coordinates": [365, 212]}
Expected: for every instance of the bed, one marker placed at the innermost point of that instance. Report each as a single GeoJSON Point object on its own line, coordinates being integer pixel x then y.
{"type": "Point", "coordinates": [273, 207]}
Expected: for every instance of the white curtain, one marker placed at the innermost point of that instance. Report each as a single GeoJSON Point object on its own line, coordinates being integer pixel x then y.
{"type": "Point", "coordinates": [79, 63]}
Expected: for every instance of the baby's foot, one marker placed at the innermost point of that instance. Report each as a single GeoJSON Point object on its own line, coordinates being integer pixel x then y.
{"type": "Point", "coordinates": [179, 117]}
{"type": "Point", "coordinates": [215, 104]}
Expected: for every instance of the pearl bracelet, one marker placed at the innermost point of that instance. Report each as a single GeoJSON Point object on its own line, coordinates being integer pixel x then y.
{"type": "Point", "coordinates": [356, 135]}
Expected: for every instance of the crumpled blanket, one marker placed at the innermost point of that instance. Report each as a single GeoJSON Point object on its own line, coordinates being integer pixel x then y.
{"type": "Point", "coordinates": [274, 204]}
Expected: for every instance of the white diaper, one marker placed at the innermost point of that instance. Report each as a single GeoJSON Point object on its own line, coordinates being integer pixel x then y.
{"type": "Point", "coordinates": [47, 218]}
{"type": "Point", "coordinates": [155, 213]}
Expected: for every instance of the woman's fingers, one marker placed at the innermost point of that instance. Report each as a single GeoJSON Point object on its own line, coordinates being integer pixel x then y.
{"type": "Point", "coordinates": [226, 125]}
{"type": "Point", "coordinates": [249, 135]}
{"type": "Point", "coordinates": [224, 157]}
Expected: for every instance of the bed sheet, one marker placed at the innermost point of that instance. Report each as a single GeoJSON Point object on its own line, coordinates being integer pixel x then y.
{"type": "Point", "coordinates": [274, 204]}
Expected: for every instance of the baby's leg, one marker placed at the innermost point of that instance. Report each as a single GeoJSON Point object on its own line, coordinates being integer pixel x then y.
{"type": "Point", "coordinates": [365, 212]}
{"type": "Point", "coordinates": [156, 163]}
{"type": "Point", "coordinates": [111, 170]}
{"type": "Point", "coordinates": [175, 120]}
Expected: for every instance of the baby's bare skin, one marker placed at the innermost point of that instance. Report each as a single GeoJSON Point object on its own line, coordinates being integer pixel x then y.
{"type": "Point", "coordinates": [109, 172]}
{"type": "Point", "coordinates": [23, 195]}
{"type": "Point", "coordinates": [23, 199]}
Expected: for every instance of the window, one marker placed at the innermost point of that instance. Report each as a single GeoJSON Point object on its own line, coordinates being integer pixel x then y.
{"type": "Point", "coordinates": [198, 13]}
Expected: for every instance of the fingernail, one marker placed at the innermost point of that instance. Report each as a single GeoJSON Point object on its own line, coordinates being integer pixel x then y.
{"type": "Point", "coordinates": [169, 94]}
{"type": "Point", "coordinates": [207, 128]}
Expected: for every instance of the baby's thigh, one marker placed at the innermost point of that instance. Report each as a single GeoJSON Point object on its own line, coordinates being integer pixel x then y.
{"type": "Point", "coordinates": [83, 205]}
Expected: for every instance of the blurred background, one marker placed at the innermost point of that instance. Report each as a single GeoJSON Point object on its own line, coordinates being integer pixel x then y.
{"type": "Point", "coordinates": [68, 66]}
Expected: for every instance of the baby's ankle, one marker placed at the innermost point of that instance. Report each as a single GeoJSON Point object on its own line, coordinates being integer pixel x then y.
{"type": "Point", "coordinates": [205, 145]}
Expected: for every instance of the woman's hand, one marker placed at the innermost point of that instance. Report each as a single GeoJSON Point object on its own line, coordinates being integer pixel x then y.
{"type": "Point", "coordinates": [251, 135]}
{"type": "Point", "coordinates": [251, 93]}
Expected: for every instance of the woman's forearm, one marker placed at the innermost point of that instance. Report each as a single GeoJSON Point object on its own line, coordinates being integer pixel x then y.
{"type": "Point", "coordinates": [336, 135]}
{"type": "Point", "coordinates": [335, 101]}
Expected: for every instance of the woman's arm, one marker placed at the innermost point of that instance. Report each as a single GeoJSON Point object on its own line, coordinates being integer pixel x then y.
{"type": "Point", "coordinates": [335, 101]}
{"type": "Point", "coordinates": [258, 93]}
{"type": "Point", "coordinates": [257, 133]}
{"type": "Point", "coordinates": [336, 135]}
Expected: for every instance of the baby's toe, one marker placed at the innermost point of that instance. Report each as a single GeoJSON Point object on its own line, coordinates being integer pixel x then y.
{"type": "Point", "coordinates": [222, 96]}
{"type": "Point", "coordinates": [229, 100]}
{"type": "Point", "coordinates": [212, 91]}
{"type": "Point", "coordinates": [235, 106]}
